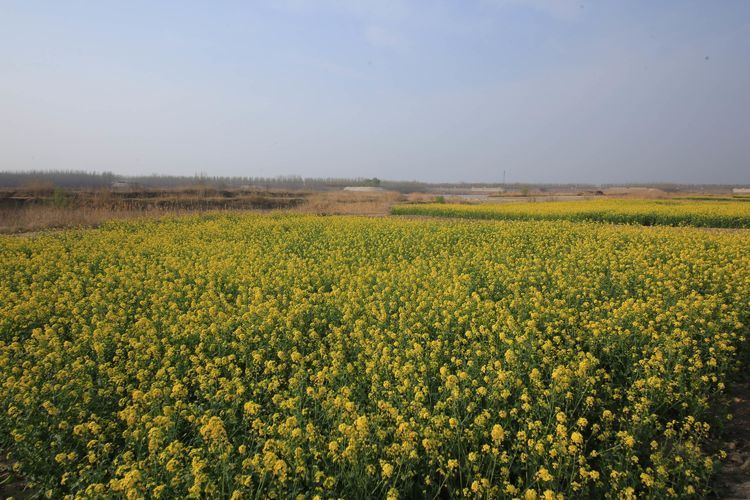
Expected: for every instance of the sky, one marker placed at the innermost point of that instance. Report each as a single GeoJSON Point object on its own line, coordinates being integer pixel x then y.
{"type": "Point", "coordinates": [630, 91]}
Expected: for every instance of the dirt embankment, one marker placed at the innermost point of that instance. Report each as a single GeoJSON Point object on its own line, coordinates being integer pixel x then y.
{"type": "Point", "coordinates": [165, 199]}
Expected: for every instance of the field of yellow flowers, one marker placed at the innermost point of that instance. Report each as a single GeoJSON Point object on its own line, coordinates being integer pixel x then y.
{"type": "Point", "coordinates": [247, 356]}
{"type": "Point", "coordinates": [726, 214]}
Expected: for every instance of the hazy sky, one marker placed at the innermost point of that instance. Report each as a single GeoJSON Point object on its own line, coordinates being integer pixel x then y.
{"type": "Point", "coordinates": [548, 90]}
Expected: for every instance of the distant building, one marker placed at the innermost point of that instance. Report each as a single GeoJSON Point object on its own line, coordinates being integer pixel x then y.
{"type": "Point", "coordinates": [741, 191]}
{"type": "Point", "coordinates": [119, 186]}
{"type": "Point", "coordinates": [364, 189]}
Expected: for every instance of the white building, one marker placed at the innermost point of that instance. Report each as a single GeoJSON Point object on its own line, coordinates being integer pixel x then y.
{"type": "Point", "coordinates": [364, 189]}
{"type": "Point", "coordinates": [121, 187]}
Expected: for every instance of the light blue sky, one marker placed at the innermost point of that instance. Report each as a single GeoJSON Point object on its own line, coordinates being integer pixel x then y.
{"type": "Point", "coordinates": [548, 90]}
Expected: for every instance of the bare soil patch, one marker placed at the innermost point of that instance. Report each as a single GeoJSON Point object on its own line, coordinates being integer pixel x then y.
{"type": "Point", "coordinates": [733, 479]}
{"type": "Point", "coordinates": [350, 203]}
{"type": "Point", "coordinates": [11, 484]}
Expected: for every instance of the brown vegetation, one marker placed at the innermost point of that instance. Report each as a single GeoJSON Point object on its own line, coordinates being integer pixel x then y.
{"type": "Point", "coordinates": [365, 203]}
{"type": "Point", "coordinates": [41, 207]}
{"type": "Point", "coordinates": [29, 210]}
{"type": "Point", "coordinates": [350, 202]}
{"type": "Point", "coordinates": [190, 198]}
{"type": "Point", "coordinates": [40, 217]}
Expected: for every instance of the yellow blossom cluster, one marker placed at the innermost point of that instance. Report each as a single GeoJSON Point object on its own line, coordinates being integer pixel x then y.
{"type": "Point", "coordinates": [670, 212]}
{"type": "Point", "coordinates": [246, 356]}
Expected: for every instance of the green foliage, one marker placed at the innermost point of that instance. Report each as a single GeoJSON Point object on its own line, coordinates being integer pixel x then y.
{"type": "Point", "coordinates": [60, 198]}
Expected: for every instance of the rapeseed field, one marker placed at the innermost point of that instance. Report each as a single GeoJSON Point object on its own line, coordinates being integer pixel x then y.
{"type": "Point", "coordinates": [726, 214]}
{"type": "Point", "coordinates": [245, 356]}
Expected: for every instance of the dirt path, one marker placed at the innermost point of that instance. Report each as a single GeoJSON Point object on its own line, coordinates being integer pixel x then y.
{"type": "Point", "coordinates": [11, 485]}
{"type": "Point", "coordinates": [733, 480]}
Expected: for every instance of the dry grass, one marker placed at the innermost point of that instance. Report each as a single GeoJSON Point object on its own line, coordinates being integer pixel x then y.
{"type": "Point", "coordinates": [350, 203]}
{"type": "Point", "coordinates": [34, 218]}
{"type": "Point", "coordinates": [35, 208]}
{"type": "Point", "coordinates": [40, 217]}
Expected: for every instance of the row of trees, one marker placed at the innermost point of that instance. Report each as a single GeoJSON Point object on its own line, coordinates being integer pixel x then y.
{"type": "Point", "coordinates": [57, 178]}
{"type": "Point", "coordinates": [82, 179]}
{"type": "Point", "coordinates": [71, 179]}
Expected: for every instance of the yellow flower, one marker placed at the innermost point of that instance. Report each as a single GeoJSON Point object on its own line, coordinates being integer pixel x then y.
{"type": "Point", "coordinates": [544, 475]}
{"type": "Point", "coordinates": [577, 438]}
{"type": "Point", "coordinates": [214, 431]}
{"type": "Point", "coordinates": [314, 352]}
{"type": "Point", "coordinates": [646, 479]}
{"type": "Point", "coordinates": [387, 469]}
{"type": "Point", "coordinates": [361, 423]}
{"type": "Point", "coordinates": [498, 434]}
{"type": "Point", "coordinates": [629, 441]}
